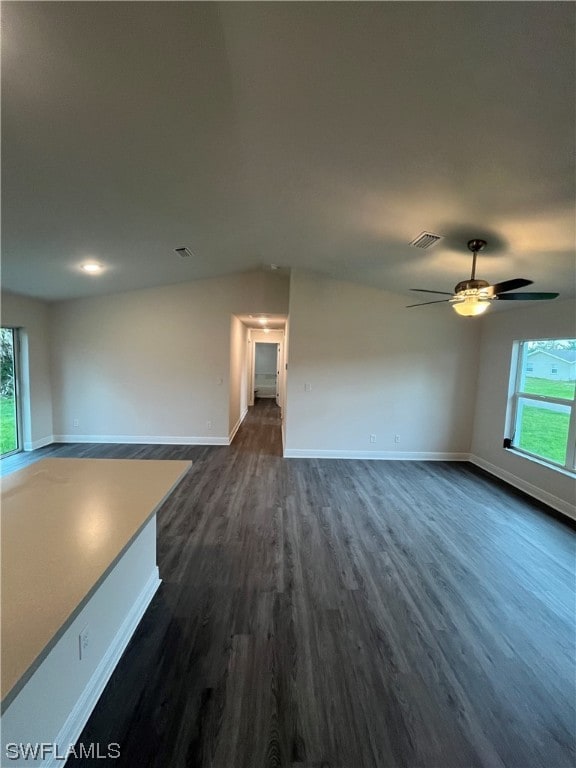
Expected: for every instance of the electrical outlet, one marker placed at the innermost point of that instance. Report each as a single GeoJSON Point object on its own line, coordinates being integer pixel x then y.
{"type": "Point", "coordinates": [209, 424]}
{"type": "Point", "coordinates": [76, 422]}
{"type": "Point", "coordinates": [396, 438]}
{"type": "Point", "coordinates": [308, 387]}
{"type": "Point", "coordinates": [372, 438]}
{"type": "Point", "coordinates": [83, 642]}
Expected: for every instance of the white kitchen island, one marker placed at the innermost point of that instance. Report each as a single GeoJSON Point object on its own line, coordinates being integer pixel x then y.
{"type": "Point", "coordinates": [78, 572]}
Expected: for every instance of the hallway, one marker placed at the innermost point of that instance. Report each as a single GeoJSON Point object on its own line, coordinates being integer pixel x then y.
{"type": "Point", "coordinates": [344, 614]}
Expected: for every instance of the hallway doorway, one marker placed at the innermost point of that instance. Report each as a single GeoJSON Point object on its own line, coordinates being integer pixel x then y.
{"type": "Point", "coordinates": [266, 371]}
{"type": "Point", "coordinates": [267, 366]}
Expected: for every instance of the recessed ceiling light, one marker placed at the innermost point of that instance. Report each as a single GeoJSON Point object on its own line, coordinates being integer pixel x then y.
{"type": "Point", "coordinates": [92, 267]}
{"type": "Point", "coordinates": [266, 330]}
{"type": "Point", "coordinates": [262, 320]}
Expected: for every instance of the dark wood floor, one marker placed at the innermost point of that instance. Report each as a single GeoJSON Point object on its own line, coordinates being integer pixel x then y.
{"type": "Point", "coordinates": [344, 614]}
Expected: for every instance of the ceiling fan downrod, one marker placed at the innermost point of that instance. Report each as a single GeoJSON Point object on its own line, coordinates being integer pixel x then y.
{"type": "Point", "coordinates": [475, 246]}
{"type": "Point", "coordinates": [472, 284]}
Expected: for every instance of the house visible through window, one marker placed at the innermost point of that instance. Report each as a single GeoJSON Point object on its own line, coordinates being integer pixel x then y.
{"type": "Point", "coordinates": [542, 406]}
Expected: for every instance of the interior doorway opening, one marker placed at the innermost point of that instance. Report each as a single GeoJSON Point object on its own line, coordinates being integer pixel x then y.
{"type": "Point", "coordinates": [264, 381]}
{"type": "Point", "coordinates": [266, 370]}
{"type": "Point", "coordinates": [267, 374]}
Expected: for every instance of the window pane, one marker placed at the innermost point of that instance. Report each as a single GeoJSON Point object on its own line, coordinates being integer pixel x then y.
{"type": "Point", "coordinates": [8, 422]}
{"type": "Point", "coordinates": [542, 429]}
{"type": "Point", "coordinates": [549, 368]}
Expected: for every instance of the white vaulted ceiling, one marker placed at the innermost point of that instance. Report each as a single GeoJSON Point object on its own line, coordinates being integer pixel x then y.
{"type": "Point", "coordinates": [323, 136]}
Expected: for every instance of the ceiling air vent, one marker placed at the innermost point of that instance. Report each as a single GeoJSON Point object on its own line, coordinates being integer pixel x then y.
{"type": "Point", "coordinates": [184, 252]}
{"type": "Point", "coordinates": [425, 240]}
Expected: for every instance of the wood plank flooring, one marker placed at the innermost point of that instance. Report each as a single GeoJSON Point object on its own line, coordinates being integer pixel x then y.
{"type": "Point", "coordinates": [344, 614]}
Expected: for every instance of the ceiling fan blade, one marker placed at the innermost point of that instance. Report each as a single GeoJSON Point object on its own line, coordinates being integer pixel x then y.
{"type": "Point", "coordinates": [425, 303]}
{"type": "Point", "coordinates": [511, 285]}
{"type": "Point", "coordinates": [527, 296]}
{"type": "Point", "coordinates": [425, 290]}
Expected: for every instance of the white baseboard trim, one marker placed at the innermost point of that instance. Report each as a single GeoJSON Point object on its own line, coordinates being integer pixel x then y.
{"type": "Point", "coordinates": [237, 426]}
{"type": "Point", "coordinates": [142, 439]}
{"type": "Point", "coordinates": [82, 710]}
{"type": "Point", "coordinates": [305, 453]}
{"type": "Point", "coordinates": [532, 490]}
{"type": "Point", "coordinates": [35, 444]}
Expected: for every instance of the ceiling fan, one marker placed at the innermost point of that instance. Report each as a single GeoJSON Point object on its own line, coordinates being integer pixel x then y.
{"type": "Point", "coordinates": [473, 297]}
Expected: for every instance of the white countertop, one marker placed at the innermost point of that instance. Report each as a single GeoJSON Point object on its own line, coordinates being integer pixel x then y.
{"type": "Point", "coordinates": [65, 523]}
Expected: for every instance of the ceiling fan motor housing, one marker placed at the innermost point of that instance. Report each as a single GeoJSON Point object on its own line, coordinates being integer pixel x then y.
{"type": "Point", "coordinates": [471, 285]}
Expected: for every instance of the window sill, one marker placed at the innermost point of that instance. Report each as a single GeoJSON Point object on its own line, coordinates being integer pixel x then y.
{"type": "Point", "coordinates": [542, 462]}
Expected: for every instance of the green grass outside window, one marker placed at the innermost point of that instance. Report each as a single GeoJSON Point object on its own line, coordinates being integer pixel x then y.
{"type": "Point", "coordinates": [8, 437]}
{"type": "Point", "coordinates": [545, 432]}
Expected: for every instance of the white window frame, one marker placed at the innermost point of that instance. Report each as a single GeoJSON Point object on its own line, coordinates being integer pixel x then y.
{"type": "Point", "coordinates": [17, 390]}
{"type": "Point", "coordinates": [516, 394]}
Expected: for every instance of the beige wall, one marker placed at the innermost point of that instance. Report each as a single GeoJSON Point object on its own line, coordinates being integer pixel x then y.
{"type": "Point", "coordinates": [555, 319]}
{"type": "Point", "coordinates": [238, 374]}
{"type": "Point", "coordinates": [375, 367]}
{"type": "Point", "coordinates": [286, 376]}
{"type": "Point", "coordinates": [153, 365]}
{"type": "Point", "coordinates": [31, 316]}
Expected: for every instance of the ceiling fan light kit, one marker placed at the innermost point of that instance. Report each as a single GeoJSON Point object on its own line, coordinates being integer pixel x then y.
{"type": "Point", "coordinates": [469, 305]}
{"type": "Point", "coordinates": [473, 297]}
